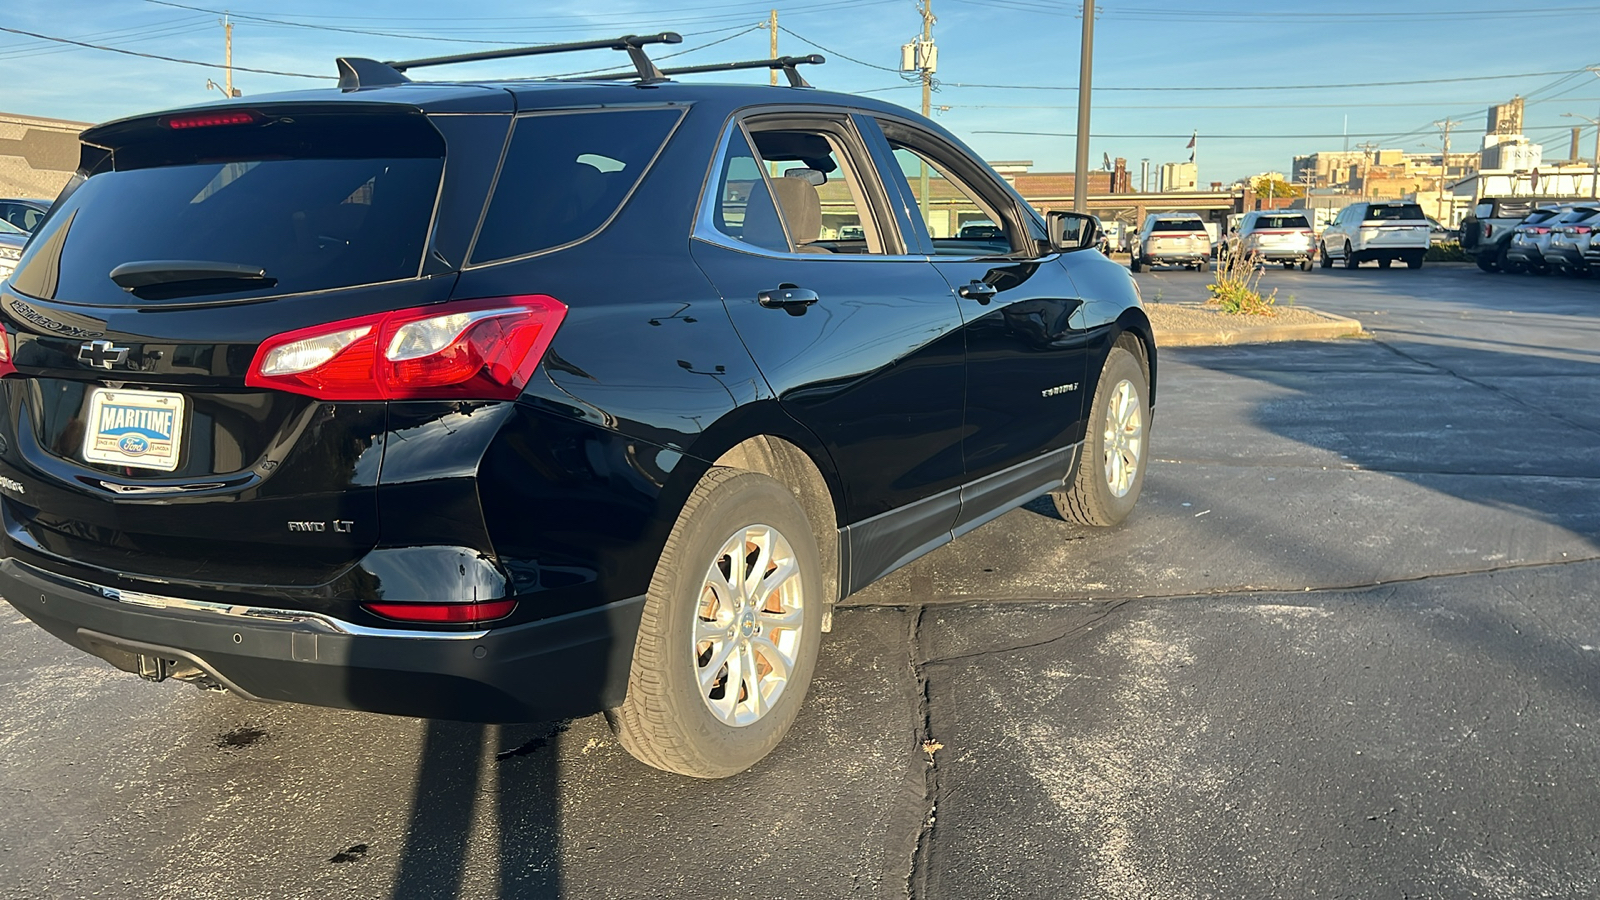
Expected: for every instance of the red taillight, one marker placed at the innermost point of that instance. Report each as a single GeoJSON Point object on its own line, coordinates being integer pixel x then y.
{"type": "Point", "coordinates": [444, 613]}
{"type": "Point", "coordinates": [1579, 229]}
{"type": "Point", "coordinates": [1539, 229]}
{"type": "Point", "coordinates": [211, 119]}
{"type": "Point", "coordinates": [480, 350]}
{"type": "Point", "coordinates": [7, 367]}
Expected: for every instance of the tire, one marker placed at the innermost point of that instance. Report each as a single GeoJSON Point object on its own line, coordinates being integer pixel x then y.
{"type": "Point", "coordinates": [1350, 258]}
{"type": "Point", "coordinates": [1503, 262]}
{"type": "Point", "coordinates": [1384, 263]}
{"type": "Point", "coordinates": [1305, 264]}
{"type": "Point", "coordinates": [1486, 264]}
{"type": "Point", "coordinates": [1323, 257]}
{"type": "Point", "coordinates": [1289, 265]}
{"type": "Point", "coordinates": [1203, 266]}
{"type": "Point", "coordinates": [667, 721]}
{"type": "Point", "coordinates": [1414, 262]}
{"type": "Point", "coordinates": [1092, 498]}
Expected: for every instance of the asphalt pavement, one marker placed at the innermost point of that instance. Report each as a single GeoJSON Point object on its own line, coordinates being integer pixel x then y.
{"type": "Point", "coordinates": [1347, 646]}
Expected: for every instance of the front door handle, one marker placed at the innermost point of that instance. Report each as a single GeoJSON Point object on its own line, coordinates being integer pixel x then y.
{"type": "Point", "coordinates": [980, 291]}
{"type": "Point", "coordinates": [788, 298]}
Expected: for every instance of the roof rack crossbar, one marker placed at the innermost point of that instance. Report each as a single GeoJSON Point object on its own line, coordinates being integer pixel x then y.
{"type": "Point", "coordinates": [786, 63]}
{"type": "Point", "coordinates": [632, 43]}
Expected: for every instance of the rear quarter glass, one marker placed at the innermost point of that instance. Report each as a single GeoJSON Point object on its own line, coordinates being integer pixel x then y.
{"type": "Point", "coordinates": [565, 175]}
{"type": "Point", "coordinates": [316, 205]}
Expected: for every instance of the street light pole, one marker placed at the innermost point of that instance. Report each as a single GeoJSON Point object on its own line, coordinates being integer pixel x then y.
{"type": "Point", "coordinates": [1080, 177]}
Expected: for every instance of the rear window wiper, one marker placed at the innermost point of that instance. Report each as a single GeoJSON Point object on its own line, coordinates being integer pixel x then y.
{"type": "Point", "coordinates": [156, 278]}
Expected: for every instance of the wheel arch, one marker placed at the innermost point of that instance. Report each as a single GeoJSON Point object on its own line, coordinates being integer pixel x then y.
{"type": "Point", "coordinates": [1134, 325]}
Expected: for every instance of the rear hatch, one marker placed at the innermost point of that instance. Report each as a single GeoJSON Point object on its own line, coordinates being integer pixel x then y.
{"type": "Point", "coordinates": [1395, 225]}
{"type": "Point", "coordinates": [131, 447]}
{"type": "Point", "coordinates": [1281, 233]}
{"type": "Point", "coordinates": [1179, 236]}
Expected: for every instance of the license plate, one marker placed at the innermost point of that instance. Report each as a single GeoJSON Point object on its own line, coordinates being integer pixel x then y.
{"type": "Point", "coordinates": [143, 429]}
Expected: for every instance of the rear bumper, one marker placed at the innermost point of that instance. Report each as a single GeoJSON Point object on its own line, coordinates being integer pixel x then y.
{"type": "Point", "coordinates": [1568, 256]}
{"type": "Point", "coordinates": [570, 665]}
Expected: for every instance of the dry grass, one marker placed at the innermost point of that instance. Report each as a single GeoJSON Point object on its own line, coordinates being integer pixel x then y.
{"type": "Point", "coordinates": [1235, 288]}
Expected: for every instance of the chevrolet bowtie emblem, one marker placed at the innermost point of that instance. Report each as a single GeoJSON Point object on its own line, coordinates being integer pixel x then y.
{"type": "Point", "coordinates": [102, 354]}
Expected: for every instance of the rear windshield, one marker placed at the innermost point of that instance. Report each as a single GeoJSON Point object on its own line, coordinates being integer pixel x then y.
{"type": "Point", "coordinates": [1399, 211]}
{"type": "Point", "coordinates": [565, 176]}
{"type": "Point", "coordinates": [1540, 215]}
{"type": "Point", "coordinates": [354, 208]}
{"type": "Point", "coordinates": [1281, 222]}
{"type": "Point", "coordinates": [1577, 214]}
{"type": "Point", "coordinates": [1178, 225]}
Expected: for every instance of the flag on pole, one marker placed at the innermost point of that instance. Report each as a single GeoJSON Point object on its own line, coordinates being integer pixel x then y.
{"type": "Point", "coordinates": [1108, 161]}
{"type": "Point", "coordinates": [1192, 138]}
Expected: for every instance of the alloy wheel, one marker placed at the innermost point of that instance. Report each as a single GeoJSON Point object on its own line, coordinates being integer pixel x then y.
{"type": "Point", "coordinates": [747, 628]}
{"type": "Point", "coordinates": [1124, 438]}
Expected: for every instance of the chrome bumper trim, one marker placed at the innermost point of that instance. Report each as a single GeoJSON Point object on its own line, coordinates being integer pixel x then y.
{"type": "Point", "coordinates": [233, 611]}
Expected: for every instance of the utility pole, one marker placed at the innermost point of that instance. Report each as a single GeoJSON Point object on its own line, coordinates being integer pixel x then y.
{"type": "Point", "coordinates": [227, 88]}
{"type": "Point", "coordinates": [1144, 174]}
{"type": "Point", "coordinates": [927, 60]}
{"type": "Point", "coordinates": [772, 26]}
{"type": "Point", "coordinates": [1080, 177]}
{"type": "Point", "coordinates": [1444, 172]}
{"type": "Point", "coordinates": [1366, 148]}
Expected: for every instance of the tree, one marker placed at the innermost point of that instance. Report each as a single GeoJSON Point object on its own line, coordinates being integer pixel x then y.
{"type": "Point", "coordinates": [1275, 187]}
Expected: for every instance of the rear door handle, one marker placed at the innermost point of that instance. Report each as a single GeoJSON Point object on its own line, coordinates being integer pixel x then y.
{"type": "Point", "coordinates": [980, 291]}
{"type": "Point", "coordinates": [792, 300]}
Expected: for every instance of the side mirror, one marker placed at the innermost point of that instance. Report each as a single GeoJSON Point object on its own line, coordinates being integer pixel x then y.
{"type": "Point", "coordinates": [1072, 231]}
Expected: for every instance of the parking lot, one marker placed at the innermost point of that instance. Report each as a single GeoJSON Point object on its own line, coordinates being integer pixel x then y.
{"type": "Point", "coordinates": [1347, 646]}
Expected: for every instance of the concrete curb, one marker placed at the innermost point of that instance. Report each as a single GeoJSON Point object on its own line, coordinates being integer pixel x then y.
{"type": "Point", "coordinates": [1241, 330]}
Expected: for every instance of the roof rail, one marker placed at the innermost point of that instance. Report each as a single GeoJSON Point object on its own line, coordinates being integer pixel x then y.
{"type": "Point", "coordinates": [786, 63]}
{"type": "Point", "coordinates": [355, 73]}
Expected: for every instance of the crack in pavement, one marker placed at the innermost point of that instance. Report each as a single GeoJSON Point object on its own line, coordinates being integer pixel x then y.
{"type": "Point", "coordinates": [1494, 389]}
{"type": "Point", "coordinates": [1244, 591]}
{"type": "Point", "coordinates": [1357, 467]}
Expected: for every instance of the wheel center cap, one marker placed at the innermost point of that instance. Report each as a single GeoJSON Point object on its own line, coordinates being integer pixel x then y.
{"type": "Point", "coordinates": [747, 625]}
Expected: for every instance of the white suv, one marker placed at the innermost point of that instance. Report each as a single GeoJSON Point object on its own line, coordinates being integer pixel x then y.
{"type": "Point", "coordinates": [1381, 231]}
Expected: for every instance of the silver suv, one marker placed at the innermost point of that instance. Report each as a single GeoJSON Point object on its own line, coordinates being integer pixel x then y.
{"type": "Point", "coordinates": [1172, 239]}
{"type": "Point", "coordinates": [1280, 236]}
{"type": "Point", "coordinates": [1382, 231]}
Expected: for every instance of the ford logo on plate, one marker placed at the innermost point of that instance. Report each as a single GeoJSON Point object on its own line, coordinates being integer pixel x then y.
{"type": "Point", "coordinates": [133, 444]}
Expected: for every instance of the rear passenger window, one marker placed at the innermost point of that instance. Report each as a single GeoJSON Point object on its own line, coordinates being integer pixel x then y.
{"type": "Point", "coordinates": [565, 175]}
{"type": "Point", "coordinates": [743, 207]}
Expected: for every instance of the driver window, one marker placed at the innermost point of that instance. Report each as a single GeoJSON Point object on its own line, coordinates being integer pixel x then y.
{"type": "Point", "coordinates": [959, 223]}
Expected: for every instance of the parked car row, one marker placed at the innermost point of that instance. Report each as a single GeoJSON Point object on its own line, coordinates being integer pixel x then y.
{"type": "Point", "coordinates": [1383, 232]}
{"type": "Point", "coordinates": [1534, 235]}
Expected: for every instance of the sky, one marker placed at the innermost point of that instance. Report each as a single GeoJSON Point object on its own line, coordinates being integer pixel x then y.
{"type": "Point", "coordinates": [1006, 81]}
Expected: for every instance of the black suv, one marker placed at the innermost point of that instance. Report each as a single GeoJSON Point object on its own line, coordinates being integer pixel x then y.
{"type": "Point", "coordinates": [515, 401]}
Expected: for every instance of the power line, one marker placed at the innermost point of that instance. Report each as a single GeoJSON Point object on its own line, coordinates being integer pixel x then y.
{"type": "Point", "coordinates": [858, 62]}
{"type": "Point", "coordinates": [172, 59]}
{"type": "Point", "coordinates": [1275, 110]}
{"type": "Point", "coordinates": [1214, 137]}
{"type": "Point", "coordinates": [1267, 87]}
